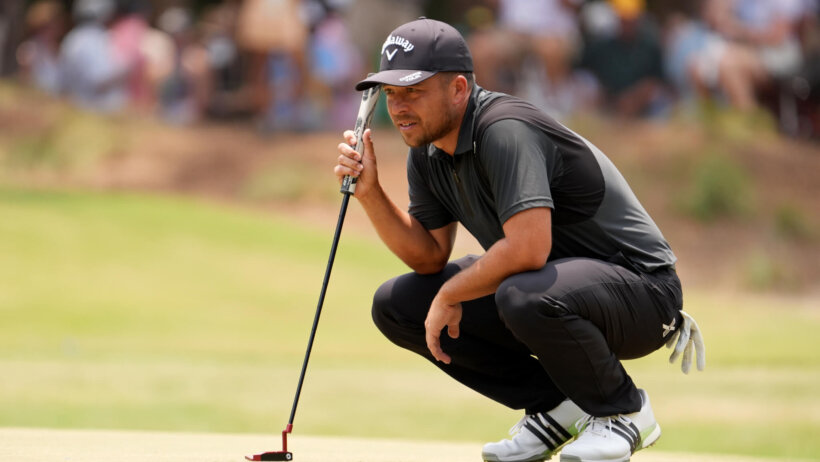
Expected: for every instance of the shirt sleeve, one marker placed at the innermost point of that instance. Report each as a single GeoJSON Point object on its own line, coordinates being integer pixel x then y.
{"type": "Point", "coordinates": [424, 204]}
{"type": "Point", "coordinates": [519, 161]}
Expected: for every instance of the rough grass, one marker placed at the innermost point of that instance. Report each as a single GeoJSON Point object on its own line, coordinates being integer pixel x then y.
{"type": "Point", "coordinates": [145, 312]}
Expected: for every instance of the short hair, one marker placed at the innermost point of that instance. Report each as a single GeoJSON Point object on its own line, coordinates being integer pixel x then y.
{"type": "Point", "coordinates": [450, 75]}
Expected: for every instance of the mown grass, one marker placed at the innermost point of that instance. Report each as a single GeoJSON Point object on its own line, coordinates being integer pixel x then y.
{"type": "Point", "coordinates": [145, 312]}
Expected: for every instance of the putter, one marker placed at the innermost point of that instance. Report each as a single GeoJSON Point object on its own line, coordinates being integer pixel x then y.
{"type": "Point", "coordinates": [370, 97]}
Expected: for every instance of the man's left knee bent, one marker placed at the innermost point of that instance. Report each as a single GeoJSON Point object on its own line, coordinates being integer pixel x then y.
{"type": "Point", "coordinates": [382, 310]}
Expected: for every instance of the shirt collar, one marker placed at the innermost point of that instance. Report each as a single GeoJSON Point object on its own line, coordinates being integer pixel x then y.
{"type": "Point", "coordinates": [465, 132]}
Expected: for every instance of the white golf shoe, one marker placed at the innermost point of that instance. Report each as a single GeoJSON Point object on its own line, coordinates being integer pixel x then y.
{"type": "Point", "coordinates": [614, 438]}
{"type": "Point", "coordinates": [537, 437]}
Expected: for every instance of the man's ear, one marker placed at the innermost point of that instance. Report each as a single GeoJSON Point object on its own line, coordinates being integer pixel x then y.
{"type": "Point", "coordinates": [460, 90]}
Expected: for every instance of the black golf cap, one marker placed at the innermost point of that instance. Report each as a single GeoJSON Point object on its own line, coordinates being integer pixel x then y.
{"type": "Point", "coordinates": [417, 51]}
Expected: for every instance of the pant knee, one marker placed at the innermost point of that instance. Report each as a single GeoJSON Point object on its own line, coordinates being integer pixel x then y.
{"type": "Point", "coordinates": [399, 317]}
{"type": "Point", "coordinates": [397, 308]}
{"type": "Point", "coordinates": [381, 311]}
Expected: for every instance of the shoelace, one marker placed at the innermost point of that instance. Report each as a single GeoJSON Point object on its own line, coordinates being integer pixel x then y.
{"type": "Point", "coordinates": [600, 425]}
{"type": "Point", "coordinates": [520, 424]}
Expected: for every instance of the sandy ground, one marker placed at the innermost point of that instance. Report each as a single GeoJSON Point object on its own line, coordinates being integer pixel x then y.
{"type": "Point", "coordinates": [30, 445]}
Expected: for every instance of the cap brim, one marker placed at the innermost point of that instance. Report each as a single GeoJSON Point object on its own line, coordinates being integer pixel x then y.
{"type": "Point", "coordinates": [397, 77]}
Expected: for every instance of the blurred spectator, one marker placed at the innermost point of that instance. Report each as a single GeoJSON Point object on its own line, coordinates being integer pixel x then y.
{"type": "Point", "coordinates": [12, 34]}
{"type": "Point", "coordinates": [741, 47]}
{"type": "Point", "coordinates": [627, 61]}
{"type": "Point", "coordinates": [218, 28]}
{"type": "Point", "coordinates": [156, 50]}
{"type": "Point", "coordinates": [336, 65]}
{"type": "Point", "coordinates": [772, 33]}
{"type": "Point", "coordinates": [273, 35]}
{"type": "Point", "coordinates": [529, 51]}
{"type": "Point", "coordinates": [128, 34]}
{"type": "Point", "coordinates": [805, 86]}
{"type": "Point", "coordinates": [184, 91]}
{"type": "Point", "coordinates": [768, 28]}
{"type": "Point", "coordinates": [38, 55]}
{"type": "Point", "coordinates": [92, 75]}
{"type": "Point", "coordinates": [464, 15]}
{"type": "Point", "coordinates": [370, 21]}
{"type": "Point", "coordinates": [692, 53]}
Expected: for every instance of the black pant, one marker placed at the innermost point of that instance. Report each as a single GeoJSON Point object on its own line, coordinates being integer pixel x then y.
{"type": "Point", "coordinates": [545, 335]}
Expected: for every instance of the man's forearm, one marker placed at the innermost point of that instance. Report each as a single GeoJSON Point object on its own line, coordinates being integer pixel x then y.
{"type": "Point", "coordinates": [403, 234]}
{"type": "Point", "coordinates": [525, 247]}
{"type": "Point", "coordinates": [482, 277]}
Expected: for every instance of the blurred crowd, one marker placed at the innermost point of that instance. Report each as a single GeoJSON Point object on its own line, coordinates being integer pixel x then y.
{"type": "Point", "coordinates": [291, 64]}
{"type": "Point", "coordinates": [250, 59]}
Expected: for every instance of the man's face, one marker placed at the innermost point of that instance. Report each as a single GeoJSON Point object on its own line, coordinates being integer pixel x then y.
{"type": "Point", "coordinates": [423, 113]}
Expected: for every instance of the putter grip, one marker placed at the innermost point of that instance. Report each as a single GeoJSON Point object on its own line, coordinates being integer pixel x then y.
{"type": "Point", "coordinates": [367, 107]}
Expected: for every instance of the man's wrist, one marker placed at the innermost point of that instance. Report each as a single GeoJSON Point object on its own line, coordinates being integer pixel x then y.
{"type": "Point", "coordinates": [447, 296]}
{"type": "Point", "coordinates": [374, 193]}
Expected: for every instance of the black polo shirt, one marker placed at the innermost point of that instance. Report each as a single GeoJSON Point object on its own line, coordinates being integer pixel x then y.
{"type": "Point", "coordinates": [512, 157]}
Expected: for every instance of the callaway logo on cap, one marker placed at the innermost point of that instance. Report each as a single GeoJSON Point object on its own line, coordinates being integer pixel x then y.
{"type": "Point", "coordinates": [400, 42]}
{"type": "Point", "coordinates": [417, 51]}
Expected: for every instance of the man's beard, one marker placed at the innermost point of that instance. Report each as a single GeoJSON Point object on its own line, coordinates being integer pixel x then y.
{"type": "Point", "coordinates": [448, 123]}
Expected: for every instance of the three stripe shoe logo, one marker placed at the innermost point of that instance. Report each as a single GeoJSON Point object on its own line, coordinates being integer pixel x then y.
{"type": "Point", "coordinates": [628, 431]}
{"type": "Point", "coordinates": [547, 430]}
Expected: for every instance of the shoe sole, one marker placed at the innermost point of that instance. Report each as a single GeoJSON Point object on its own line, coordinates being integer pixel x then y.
{"type": "Point", "coordinates": [646, 442]}
{"type": "Point", "coordinates": [487, 457]}
{"type": "Point", "coordinates": [651, 438]}
{"type": "Point", "coordinates": [494, 458]}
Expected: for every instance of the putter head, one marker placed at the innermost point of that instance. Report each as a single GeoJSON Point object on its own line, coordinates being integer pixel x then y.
{"type": "Point", "coordinates": [277, 455]}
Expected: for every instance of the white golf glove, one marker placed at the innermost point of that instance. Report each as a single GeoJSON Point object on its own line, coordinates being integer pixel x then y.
{"type": "Point", "coordinates": [688, 338]}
